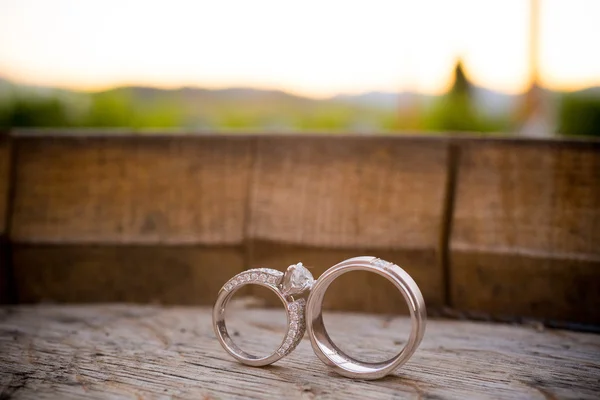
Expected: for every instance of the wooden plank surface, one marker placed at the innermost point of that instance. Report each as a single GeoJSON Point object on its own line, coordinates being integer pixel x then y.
{"type": "Point", "coordinates": [131, 352]}
{"type": "Point", "coordinates": [5, 162]}
{"type": "Point", "coordinates": [378, 193]}
{"type": "Point", "coordinates": [144, 274]}
{"type": "Point", "coordinates": [116, 190]}
{"type": "Point", "coordinates": [321, 200]}
{"type": "Point", "coordinates": [523, 235]}
{"type": "Point", "coordinates": [526, 229]}
{"type": "Point", "coordinates": [107, 195]}
{"type": "Point", "coordinates": [6, 290]}
{"type": "Point", "coordinates": [509, 285]}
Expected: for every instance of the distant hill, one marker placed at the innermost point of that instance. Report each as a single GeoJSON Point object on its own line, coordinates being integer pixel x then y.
{"type": "Point", "coordinates": [249, 108]}
{"type": "Point", "coordinates": [591, 92]}
{"type": "Point", "coordinates": [371, 99]}
{"type": "Point", "coordinates": [492, 102]}
{"type": "Point", "coordinates": [487, 100]}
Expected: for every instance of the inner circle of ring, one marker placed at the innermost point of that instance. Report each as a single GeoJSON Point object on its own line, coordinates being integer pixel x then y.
{"type": "Point", "coordinates": [220, 327]}
{"type": "Point", "coordinates": [329, 353]}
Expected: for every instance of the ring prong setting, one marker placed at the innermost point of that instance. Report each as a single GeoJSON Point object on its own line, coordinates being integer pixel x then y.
{"type": "Point", "coordinates": [296, 280]}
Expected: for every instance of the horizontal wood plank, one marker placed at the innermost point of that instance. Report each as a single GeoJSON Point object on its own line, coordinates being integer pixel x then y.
{"type": "Point", "coordinates": [333, 192]}
{"type": "Point", "coordinates": [6, 290]}
{"type": "Point", "coordinates": [112, 190]}
{"type": "Point", "coordinates": [5, 162]}
{"type": "Point", "coordinates": [123, 351]}
{"type": "Point", "coordinates": [145, 274]}
{"type": "Point", "coordinates": [509, 285]}
{"type": "Point", "coordinates": [526, 216]}
{"type": "Point", "coordinates": [526, 229]}
{"type": "Point", "coordinates": [528, 197]}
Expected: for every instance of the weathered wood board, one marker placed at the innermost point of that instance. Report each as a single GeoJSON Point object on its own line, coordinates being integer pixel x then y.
{"type": "Point", "coordinates": [323, 200]}
{"type": "Point", "coordinates": [345, 194]}
{"type": "Point", "coordinates": [5, 162]}
{"type": "Point", "coordinates": [143, 274]}
{"type": "Point", "coordinates": [131, 190]}
{"type": "Point", "coordinates": [361, 192]}
{"type": "Point", "coordinates": [517, 285]}
{"type": "Point", "coordinates": [526, 229]}
{"type": "Point", "coordinates": [507, 227]}
{"type": "Point", "coordinates": [134, 352]}
{"type": "Point", "coordinates": [5, 178]}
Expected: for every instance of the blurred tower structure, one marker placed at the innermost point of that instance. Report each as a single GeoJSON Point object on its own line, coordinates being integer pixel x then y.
{"type": "Point", "coordinates": [535, 116]}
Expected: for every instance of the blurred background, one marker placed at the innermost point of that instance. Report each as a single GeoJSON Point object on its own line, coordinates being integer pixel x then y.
{"type": "Point", "coordinates": [523, 67]}
{"type": "Point", "coordinates": [503, 222]}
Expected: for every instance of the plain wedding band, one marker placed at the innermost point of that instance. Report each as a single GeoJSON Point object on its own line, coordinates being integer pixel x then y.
{"type": "Point", "coordinates": [324, 347]}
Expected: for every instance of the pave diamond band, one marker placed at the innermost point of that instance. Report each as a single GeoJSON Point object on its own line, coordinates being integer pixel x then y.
{"type": "Point", "coordinates": [296, 327]}
{"type": "Point", "coordinates": [291, 287]}
{"type": "Point", "coordinates": [264, 275]}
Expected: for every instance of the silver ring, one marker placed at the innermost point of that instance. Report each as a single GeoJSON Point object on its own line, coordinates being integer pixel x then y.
{"type": "Point", "coordinates": [329, 353]}
{"type": "Point", "coordinates": [291, 288]}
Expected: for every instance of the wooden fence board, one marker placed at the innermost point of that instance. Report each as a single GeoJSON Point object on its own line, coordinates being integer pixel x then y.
{"type": "Point", "coordinates": [526, 217]}
{"type": "Point", "coordinates": [526, 229]}
{"type": "Point", "coordinates": [322, 200]}
{"type": "Point", "coordinates": [145, 274]}
{"type": "Point", "coordinates": [6, 290]}
{"type": "Point", "coordinates": [518, 285]}
{"type": "Point", "coordinates": [5, 162]}
{"type": "Point", "coordinates": [131, 190]}
{"type": "Point", "coordinates": [373, 192]}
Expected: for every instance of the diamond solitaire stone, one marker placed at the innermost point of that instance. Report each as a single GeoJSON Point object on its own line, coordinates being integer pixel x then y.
{"type": "Point", "coordinates": [296, 279]}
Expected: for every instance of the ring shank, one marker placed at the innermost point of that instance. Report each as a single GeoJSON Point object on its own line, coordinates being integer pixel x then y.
{"type": "Point", "coordinates": [324, 347]}
{"type": "Point", "coordinates": [223, 335]}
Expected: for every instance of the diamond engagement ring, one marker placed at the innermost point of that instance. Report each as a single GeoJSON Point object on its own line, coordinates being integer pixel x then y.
{"type": "Point", "coordinates": [291, 287]}
{"type": "Point", "coordinates": [322, 344]}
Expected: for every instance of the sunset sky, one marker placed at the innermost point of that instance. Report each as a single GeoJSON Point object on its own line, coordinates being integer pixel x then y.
{"type": "Point", "coordinates": [310, 47]}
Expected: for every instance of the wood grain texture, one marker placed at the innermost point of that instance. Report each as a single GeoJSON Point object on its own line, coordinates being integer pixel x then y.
{"type": "Point", "coordinates": [523, 237]}
{"type": "Point", "coordinates": [517, 285]}
{"type": "Point", "coordinates": [529, 198]}
{"type": "Point", "coordinates": [131, 190]}
{"type": "Point", "coordinates": [84, 273]}
{"type": "Point", "coordinates": [357, 291]}
{"type": "Point", "coordinates": [6, 292]}
{"type": "Point", "coordinates": [527, 220]}
{"type": "Point", "coordinates": [349, 192]}
{"type": "Point", "coordinates": [5, 162]}
{"type": "Point", "coordinates": [101, 352]}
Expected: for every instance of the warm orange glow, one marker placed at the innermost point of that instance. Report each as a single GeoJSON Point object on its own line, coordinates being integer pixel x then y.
{"type": "Point", "coordinates": [311, 47]}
